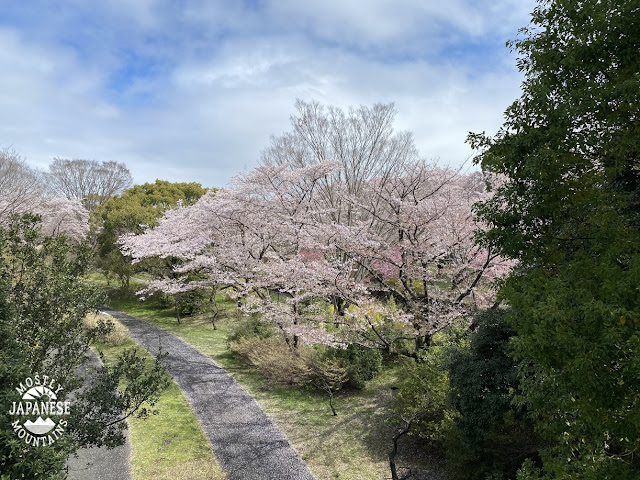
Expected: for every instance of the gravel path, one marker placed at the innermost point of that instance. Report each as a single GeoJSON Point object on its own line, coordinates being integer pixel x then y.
{"type": "Point", "coordinates": [246, 442]}
{"type": "Point", "coordinates": [99, 463]}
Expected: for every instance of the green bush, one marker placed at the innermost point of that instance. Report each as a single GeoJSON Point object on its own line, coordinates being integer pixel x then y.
{"type": "Point", "coordinates": [422, 395]}
{"type": "Point", "coordinates": [424, 390]}
{"type": "Point", "coordinates": [249, 327]}
{"type": "Point", "coordinates": [360, 363]}
{"type": "Point", "coordinates": [492, 437]}
{"type": "Point", "coordinates": [192, 302]}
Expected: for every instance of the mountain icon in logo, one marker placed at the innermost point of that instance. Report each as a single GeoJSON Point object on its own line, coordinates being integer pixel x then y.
{"type": "Point", "coordinates": [40, 426]}
{"type": "Point", "coordinates": [35, 393]}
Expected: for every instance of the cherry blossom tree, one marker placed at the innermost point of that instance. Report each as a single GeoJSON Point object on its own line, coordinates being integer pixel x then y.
{"type": "Point", "coordinates": [64, 216]}
{"type": "Point", "coordinates": [403, 268]}
{"type": "Point", "coordinates": [227, 236]}
{"type": "Point", "coordinates": [21, 188]}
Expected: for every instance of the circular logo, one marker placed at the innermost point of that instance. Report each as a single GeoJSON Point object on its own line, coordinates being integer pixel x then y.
{"type": "Point", "coordinates": [38, 404]}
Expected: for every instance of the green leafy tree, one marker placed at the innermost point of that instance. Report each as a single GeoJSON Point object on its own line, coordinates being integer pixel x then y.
{"type": "Point", "coordinates": [361, 363]}
{"type": "Point", "coordinates": [43, 301]}
{"type": "Point", "coordinates": [137, 207]}
{"type": "Point", "coordinates": [566, 206]}
{"type": "Point", "coordinates": [420, 406]}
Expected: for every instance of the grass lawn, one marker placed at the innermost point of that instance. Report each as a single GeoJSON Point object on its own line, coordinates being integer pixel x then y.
{"type": "Point", "coordinates": [170, 445]}
{"type": "Point", "coordinates": [353, 445]}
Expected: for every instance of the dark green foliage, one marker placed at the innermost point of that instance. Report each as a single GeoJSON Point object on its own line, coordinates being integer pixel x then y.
{"type": "Point", "coordinates": [191, 302]}
{"type": "Point", "coordinates": [361, 363]}
{"type": "Point", "coordinates": [568, 211]}
{"type": "Point", "coordinates": [18, 460]}
{"type": "Point", "coordinates": [493, 437]}
{"type": "Point", "coordinates": [43, 301]}
{"type": "Point", "coordinates": [569, 146]}
{"type": "Point", "coordinates": [47, 296]}
{"type": "Point", "coordinates": [578, 347]}
{"type": "Point", "coordinates": [101, 414]}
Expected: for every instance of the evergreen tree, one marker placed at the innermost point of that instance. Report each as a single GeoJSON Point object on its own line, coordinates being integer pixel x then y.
{"type": "Point", "coordinates": [567, 208]}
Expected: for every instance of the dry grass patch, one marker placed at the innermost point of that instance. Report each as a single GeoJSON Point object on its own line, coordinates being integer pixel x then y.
{"type": "Point", "coordinates": [117, 334]}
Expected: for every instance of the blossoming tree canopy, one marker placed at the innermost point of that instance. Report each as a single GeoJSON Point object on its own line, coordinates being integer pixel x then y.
{"type": "Point", "coordinates": [61, 215]}
{"type": "Point", "coordinates": [403, 266]}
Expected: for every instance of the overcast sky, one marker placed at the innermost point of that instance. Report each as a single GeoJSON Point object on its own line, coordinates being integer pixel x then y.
{"type": "Point", "coordinates": [192, 90]}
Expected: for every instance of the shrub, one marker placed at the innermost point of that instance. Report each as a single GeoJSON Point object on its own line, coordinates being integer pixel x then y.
{"type": "Point", "coordinates": [281, 365]}
{"type": "Point", "coordinates": [273, 357]}
{"type": "Point", "coordinates": [360, 363]}
{"type": "Point", "coordinates": [251, 327]}
{"type": "Point", "coordinates": [192, 302]}
{"type": "Point", "coordinates": [423, 394]}
{"type": "Point", "coordinates": [492, 436]}
{"type": "Point", "coordinates": [111, 332]}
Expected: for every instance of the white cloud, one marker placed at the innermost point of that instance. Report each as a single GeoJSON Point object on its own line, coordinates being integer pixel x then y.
{"type": "Point", "coordinates": [209, 100]}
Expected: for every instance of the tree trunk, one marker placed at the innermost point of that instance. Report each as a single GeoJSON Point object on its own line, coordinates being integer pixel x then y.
{"type": "Point", "coordinates": [394, 449]}
{"type": "Point", "coordinates": [295, 322]}
{"type": "Point", "coordinates": [176, 301]}
{"type": "Point", "coordinates": [422, 341]}
{"type": "Point", "coordinates": [216, 310]}
{"type": "Point", "coordinates": [333, 409]}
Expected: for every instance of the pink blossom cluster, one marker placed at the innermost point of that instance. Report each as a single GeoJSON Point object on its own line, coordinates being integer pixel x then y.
{"type": "Point", "coordinates": [392, 259]}
{"type": "Point", "coordinates": [58, 215]}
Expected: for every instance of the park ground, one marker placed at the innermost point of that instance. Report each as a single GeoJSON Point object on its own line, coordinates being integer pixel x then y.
{"type": "Point", "coordinates": [353, 445]}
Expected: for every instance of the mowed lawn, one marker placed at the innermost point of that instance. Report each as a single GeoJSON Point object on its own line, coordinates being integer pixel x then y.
{"type": "Point", "coordinates": [353, 445]}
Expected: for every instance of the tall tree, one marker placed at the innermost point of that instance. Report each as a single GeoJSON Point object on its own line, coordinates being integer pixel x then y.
{"type": "Point", "coordinates": [21, 187]}
{"type": "Point", "coordinates": [567, 209]}
{"type": "Point", "coordinates": [136, 208]}
{"type": "Point", "coordinates": [88, 180]}
{"type": "Point", "coordinates": [362, 140]}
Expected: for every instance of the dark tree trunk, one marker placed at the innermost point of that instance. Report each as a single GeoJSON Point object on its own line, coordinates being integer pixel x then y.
{"type": "Point", "coordinates": [295, 322]}
{"type": "Point", "coordinates": [394, 449]}
{"type": "Point", "coordinates": [176, 300]}
{"type": "Point", "coordinates": [216, 310]}
{"type": "Point", "coordinates": [333, 409]}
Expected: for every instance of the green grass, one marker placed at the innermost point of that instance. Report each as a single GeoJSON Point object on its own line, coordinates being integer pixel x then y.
{"type": "Point", "coordinates": [353, 445]}
{"type": "Point", "coordinates": [170, 445]}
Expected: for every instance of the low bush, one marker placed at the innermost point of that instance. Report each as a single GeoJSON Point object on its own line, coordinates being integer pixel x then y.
{"type": "Point", "coordinates": [250, 327]}
{"type": "Point", "coordinates": [360, 363]}
{"type": "Point", "coordinates": [112, 333]}
{"type": "Point", "coordinates": [301, 367]}
{"type": "Point", "coordinates": [273, 358]}
{"type": "Point", "coordinates": [422, 396]}
{"type": "Point", "coordinates": [423, 393]}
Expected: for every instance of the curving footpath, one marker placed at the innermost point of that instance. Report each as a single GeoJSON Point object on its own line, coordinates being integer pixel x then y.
{"type": "Point", "coordinates": [246, 442]}
{"type": "Point", "coordinates": [99, 463]}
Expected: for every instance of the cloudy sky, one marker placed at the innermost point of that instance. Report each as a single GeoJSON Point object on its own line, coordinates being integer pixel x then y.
{"type": "Point", "coordinates": [191, 90]}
